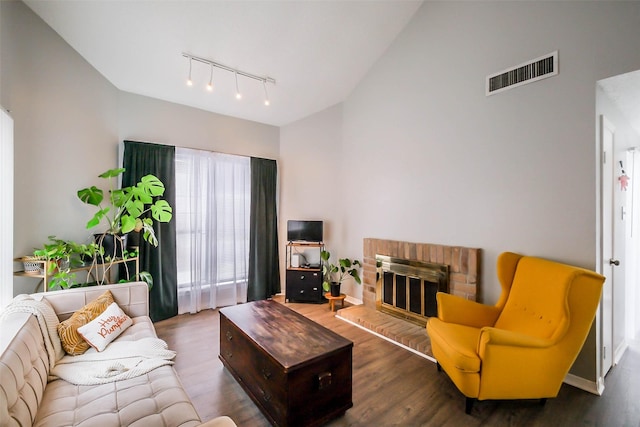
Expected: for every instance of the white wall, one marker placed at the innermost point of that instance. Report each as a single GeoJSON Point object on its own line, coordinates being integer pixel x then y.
{"type": "Point", "coordinates": [512, 172]}
{"type": "Point", "coordinates": [147, 119]}
{"type": "Point", "coordinates": [69, 121]}
{"type": "Point", "coordinates": [310, 184]}
{"type": "Point", "coordinates": [65, 121]}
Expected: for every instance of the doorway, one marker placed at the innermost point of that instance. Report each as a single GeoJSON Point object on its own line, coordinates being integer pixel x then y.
{"type": "Point", "coordinates": [617, 106]}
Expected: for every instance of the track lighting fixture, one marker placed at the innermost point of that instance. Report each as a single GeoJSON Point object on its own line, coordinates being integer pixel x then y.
{"type": "Point", "coordinates": [235, 71]}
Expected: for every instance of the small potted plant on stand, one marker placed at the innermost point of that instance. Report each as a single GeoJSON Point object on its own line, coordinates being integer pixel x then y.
{"type": "Point", "coordinates": [335, 274]}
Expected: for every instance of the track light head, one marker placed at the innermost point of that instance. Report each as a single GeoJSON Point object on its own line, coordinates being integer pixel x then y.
{"type": "Point", "coordinates": [266, 95]}
{"type": "Point", "coordinates": [189, 81]}
{"type": "Point", "coordinates": [210, 84]}
{"type": "Point", "coordinates": [238, 94]}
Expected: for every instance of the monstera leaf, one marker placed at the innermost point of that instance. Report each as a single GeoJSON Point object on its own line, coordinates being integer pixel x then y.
{"type": "Point", "coordinates": [127, 209]}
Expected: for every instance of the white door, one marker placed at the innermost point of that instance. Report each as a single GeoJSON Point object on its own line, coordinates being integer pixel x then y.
{"type": "Point", "coordinates": [609, 261]}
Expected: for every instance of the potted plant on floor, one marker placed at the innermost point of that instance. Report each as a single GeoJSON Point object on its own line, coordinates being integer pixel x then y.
{"type": "Point", "coordinates": [124, 210]}
{"type": "Point", "coordinates": [335, 274]}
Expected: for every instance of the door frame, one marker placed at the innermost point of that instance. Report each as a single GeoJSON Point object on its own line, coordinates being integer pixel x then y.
{"type": "Point", "coordinates": [607, 250]}
{"type": "Point", "coordinates": [6, 207]}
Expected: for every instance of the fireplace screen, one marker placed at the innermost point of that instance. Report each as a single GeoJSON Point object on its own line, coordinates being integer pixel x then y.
{"type": "Point", "coordinates": [407, 288]}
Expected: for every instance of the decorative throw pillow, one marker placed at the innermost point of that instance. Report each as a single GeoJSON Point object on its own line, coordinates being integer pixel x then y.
{"type": "Point", "coordinates": [72, 342]}
{"type": "Point", "coordinates": [106, 327]}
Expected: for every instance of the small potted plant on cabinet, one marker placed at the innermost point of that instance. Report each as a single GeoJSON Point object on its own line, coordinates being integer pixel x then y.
{"type": "Point", "coordinates": [335, 274]}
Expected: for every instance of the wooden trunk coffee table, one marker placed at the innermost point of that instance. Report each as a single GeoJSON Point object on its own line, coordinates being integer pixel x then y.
{"type": "Point", "coordinates": [296, 371]}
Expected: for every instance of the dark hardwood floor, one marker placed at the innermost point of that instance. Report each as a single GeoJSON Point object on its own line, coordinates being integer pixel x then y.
{"type": "Point", "coordinates": [392, 386]}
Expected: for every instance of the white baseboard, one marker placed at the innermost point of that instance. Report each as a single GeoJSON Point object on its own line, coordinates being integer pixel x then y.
{"type": "Point", "coordinates": [584, 384]}
{"type": "Point", "coordinates": [353, 301]}
{"type": "Point", "coordinates": [619, 352]}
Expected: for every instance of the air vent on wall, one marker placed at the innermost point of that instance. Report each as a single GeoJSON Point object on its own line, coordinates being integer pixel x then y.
{"type": "Point", "coordinates": [529, 72]}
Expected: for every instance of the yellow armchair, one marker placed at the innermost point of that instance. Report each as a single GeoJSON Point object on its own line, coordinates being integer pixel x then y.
{"type": "Point", "coordinates": [524, 346]}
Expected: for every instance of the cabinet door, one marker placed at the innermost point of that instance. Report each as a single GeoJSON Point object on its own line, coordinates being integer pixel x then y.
{"type": "Point", "coordinates": [304, 285]}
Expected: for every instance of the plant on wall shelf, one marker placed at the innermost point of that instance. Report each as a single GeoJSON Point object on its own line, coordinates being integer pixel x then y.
{"type": "Point", "coordinates": [63, 255]}
{"type": "Point", "coordinates": [335, 274]}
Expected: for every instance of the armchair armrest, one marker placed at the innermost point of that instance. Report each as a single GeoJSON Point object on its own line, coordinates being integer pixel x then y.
{"type": "Point", "coordinates": [453, 309]}
{"type": "Point", "coordinates": [503, 337]}
{"type": "Point", "coordinates": [510, 359]}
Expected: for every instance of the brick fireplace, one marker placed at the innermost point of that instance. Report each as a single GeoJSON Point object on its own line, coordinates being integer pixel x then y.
{"type": "Point", "coordinates": [463, 270]}
{"type": "Point", "coordinates": [464, 265]}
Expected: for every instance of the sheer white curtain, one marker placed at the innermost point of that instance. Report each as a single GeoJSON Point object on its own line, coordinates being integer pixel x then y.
{"type": "Point", "coordinates": [213, 194]}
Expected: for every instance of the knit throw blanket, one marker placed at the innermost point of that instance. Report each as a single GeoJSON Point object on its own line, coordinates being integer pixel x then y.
{"type": "Point", "coordinates": [47, 320]}
{"type": "Point", "coordinates": [120, 360]}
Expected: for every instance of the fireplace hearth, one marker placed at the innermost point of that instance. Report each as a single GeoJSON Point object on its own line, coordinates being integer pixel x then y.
{"type": "Point", "coordinates": [463, 265]}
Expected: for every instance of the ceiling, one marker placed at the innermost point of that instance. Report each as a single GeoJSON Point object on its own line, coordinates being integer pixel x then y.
{"type": "Point", "coordinates": [317, 51]}
{"type": "Point", "coordinates": [624, 91]}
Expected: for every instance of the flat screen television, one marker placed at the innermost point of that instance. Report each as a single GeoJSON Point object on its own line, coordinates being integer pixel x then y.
{"type": "Point", "coordinates": [305, 231]}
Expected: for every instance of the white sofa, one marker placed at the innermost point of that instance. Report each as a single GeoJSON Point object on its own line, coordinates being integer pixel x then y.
{"type": "Point", "coordinates": [27, 399]}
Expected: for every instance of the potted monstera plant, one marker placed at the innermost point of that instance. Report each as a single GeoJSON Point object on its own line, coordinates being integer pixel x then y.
{"type": "Point", "coordinates": [124, 210]}
{"type": "Point", "coordinates": [335, 274]}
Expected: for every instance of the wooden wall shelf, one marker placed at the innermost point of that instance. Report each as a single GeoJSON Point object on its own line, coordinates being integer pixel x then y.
{"type": "Point", "coordinates": [93, 271]}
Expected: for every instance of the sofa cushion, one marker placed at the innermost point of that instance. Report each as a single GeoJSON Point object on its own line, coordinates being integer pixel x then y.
{"type": "Point", "coordinates": [141, 327]}
{"type": "Point", "coordinates": [106, 327]}
{"type": "Point", "coordinates": [153, 399]}
{"type": "Point", "coordinates": [72, 341]}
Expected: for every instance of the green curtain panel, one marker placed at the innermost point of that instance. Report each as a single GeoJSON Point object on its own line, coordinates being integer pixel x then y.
{"type": "Point", "coordinates": [264, 269]}
{"type": "Point", "coordinates": [140, 159]}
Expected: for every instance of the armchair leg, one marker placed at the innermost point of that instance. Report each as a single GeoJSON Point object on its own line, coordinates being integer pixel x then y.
{"type": "Point", "coordinates": [468, 405]}
{"type": "Point", "coordinates": [543, 401]}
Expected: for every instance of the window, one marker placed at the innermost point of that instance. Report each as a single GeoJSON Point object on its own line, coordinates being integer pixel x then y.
{"type": "Point", "coordinates": [213, 195]}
